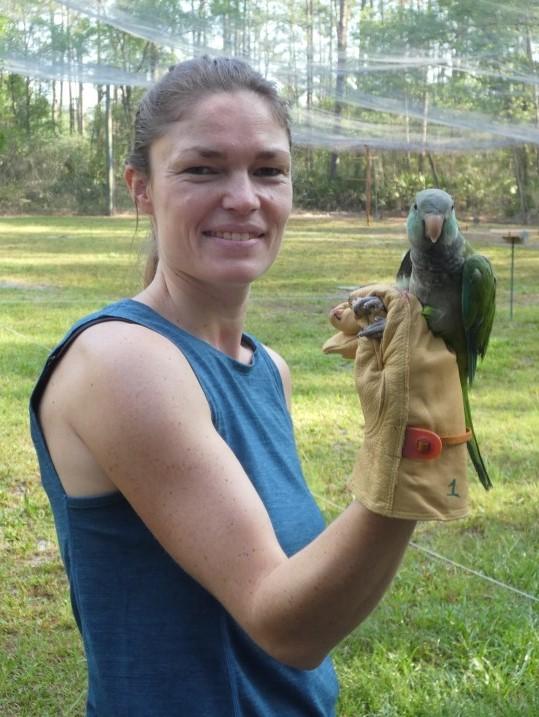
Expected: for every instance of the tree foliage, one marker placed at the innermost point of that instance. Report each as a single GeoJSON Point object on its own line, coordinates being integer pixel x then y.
{"type": "Point", "coordinates": [53, 132]}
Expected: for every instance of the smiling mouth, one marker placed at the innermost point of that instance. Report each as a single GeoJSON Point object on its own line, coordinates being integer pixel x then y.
{"type": "Point", "coordinates": [234, 236]}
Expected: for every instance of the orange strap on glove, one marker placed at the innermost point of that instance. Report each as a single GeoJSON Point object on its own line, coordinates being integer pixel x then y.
{"type": "Point", "coordinates": [412, 463]}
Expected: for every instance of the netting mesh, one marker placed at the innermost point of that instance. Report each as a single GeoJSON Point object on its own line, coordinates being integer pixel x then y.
{"type": "Point", "coordinates": [409, 81]}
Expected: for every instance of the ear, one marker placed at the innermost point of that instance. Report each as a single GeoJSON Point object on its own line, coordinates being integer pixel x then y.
{"type": "Point", "coordinates": [139, 188]}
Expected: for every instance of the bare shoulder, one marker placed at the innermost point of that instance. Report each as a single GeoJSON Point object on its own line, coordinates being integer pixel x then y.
{"type": "Point", "coordinates": [112, 381]}
{"type": "Point", "coordinates": [118, 364]}
{"type": "Point", "coordinates": [284, 371]}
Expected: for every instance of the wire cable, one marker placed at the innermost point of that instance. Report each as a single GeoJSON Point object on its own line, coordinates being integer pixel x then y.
{"type": "Point", "coordinates": [442, 558]}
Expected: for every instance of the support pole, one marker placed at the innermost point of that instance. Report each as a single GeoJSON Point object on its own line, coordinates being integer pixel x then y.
{"type": "Point", "coordinates": [368, 207]}
{"type": "Point", "coordinates": [513, 238]}
{"type": "Point", "coordinates": [512, 280]}
{"type": "Point", "coordinates": [110, 156]}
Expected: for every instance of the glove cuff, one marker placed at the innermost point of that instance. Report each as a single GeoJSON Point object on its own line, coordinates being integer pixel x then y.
{"type": "Point", "coordinates": [412, 488]}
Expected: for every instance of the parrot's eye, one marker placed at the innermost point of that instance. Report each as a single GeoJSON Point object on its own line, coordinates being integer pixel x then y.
{"type": "Point", "coordinates": [415, 207]}
{"type": "Point", "coordinates": [452, 207]}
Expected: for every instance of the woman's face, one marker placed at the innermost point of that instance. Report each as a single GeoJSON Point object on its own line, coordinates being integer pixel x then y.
{"type": "Point", "coordinates": [220, 190]}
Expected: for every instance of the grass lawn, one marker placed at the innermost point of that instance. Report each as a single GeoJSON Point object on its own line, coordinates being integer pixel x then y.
{"type": "Point", "coordinates": [443, 641]}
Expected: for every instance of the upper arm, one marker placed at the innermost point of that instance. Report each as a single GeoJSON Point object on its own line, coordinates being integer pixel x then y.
{"type": "Point", "coordinates": [284, 372]}
{"type": "Point", "coordinates": [148, 426]}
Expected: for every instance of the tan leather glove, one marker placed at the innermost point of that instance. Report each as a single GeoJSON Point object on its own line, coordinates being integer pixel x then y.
{"type": "Point", "coordinates": [406, 381]}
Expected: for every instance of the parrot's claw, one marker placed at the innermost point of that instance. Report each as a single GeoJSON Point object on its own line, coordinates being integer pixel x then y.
{"type": "Point", "coordinates": [372, 310]}
{"type": "Point", "coordinates": [366, 305]}
{"type": "Point", "coordinates": [374, 330]}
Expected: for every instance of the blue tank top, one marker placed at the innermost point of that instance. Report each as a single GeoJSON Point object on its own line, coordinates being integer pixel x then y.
{"type": "Point", "coordinates": [158, 644]}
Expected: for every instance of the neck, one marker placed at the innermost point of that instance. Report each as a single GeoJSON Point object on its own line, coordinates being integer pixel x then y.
{"type": "Point", "coordinates": [212, 313]}
{"type": "Point", "coordinates": [441, 258]}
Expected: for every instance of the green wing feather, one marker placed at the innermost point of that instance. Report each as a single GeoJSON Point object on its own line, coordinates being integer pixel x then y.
{"type": "Point", "coordinates": [478, 307]}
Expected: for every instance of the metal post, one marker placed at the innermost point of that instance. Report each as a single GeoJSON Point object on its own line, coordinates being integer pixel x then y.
{"type": "Point", "coordinates": [512, 279]}
{"type": "Point", "coordinates": [513, 238]}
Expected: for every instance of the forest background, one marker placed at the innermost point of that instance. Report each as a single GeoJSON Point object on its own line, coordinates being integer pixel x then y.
{"type": "Point", "coordinates": [388, 96]}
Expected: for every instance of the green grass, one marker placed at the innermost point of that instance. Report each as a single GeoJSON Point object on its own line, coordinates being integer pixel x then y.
{"type": "Point", "coordinates": [443, 641]}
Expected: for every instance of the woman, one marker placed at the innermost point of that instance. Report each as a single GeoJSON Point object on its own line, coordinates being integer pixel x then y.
{"type": "Point", "coordinates": [202, 578]}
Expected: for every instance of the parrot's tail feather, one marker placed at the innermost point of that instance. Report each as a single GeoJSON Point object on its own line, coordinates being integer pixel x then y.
{"type": "Point", "coordinates": [479, 465]}
{"type": "Point", "coordinates": [473, 446]}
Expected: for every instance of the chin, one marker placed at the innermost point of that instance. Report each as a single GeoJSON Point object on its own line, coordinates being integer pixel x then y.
{"type": "Point", "coordinates": [240, 278]}
{"type": "Point", "coordinates": [244, 273]}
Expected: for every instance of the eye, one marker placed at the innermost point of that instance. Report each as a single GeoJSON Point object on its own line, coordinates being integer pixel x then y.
{"type": "Point", "coordinates": [415, 206]}
{"type": "Point", "coordinates": [270, 172]}
{"type": "Point", "coordinates": [199, 170]}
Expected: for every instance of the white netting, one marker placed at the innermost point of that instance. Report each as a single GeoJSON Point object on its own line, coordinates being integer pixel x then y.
{"type": "Point", "coordinates": [419, 98]}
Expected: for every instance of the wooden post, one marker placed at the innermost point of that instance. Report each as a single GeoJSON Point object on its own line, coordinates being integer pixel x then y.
{"type": "Point", "coordinates": [512, 280]}
{"type": "Point", "coordinates": [110, 156]}
{"type": "Point", "coordinates": [368, 207]}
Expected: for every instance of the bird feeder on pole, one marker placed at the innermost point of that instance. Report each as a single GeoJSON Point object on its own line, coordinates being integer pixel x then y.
{"type": "Point", "coordinates": [516, 237]}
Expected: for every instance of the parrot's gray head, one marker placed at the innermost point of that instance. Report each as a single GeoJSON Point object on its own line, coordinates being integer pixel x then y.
{"type": "Point", "coordinates": [432, 219]}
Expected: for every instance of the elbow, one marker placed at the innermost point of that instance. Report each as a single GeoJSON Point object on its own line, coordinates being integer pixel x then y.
{"type": "Point", "coordinates": [285, 629]}
{"type": "Point", "coordinates": [290, 650]}
{"type": "Point", "coordinates": [303, 661]}
{"type": "Point", "coordinates": [297, 657]}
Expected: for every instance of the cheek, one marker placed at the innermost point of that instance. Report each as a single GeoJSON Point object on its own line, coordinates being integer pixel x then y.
{"type": "Point", "coordinates": [281, 201]}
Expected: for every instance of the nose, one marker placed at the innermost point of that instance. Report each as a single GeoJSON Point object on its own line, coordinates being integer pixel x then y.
{"type": "Point", "coordinates": [240, 194]}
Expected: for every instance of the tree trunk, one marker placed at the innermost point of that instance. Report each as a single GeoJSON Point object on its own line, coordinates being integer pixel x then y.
{"type": "Point", "coordinates": [535, 89]}
{"type": "Point", "coordinates": [71, 108]}
{"type": "Point", "coordinates": [27, 103]}
{"type": "Point", "coordinates": [80, 110]}
{"type": "Point", "coordinates": [80, 99]}
{"type": "Point", "coordinates": [309, 15]}
{"type": "Point", "coordinates": [53, 105]}
{"type": "Point", "coordinates": [521, 175]}
{"type": "Point", "coordinates": [154, 59]}
{"type": "Point", "coordinates": [424, 134]}
{"type": "Point", "coordinates": [245, 37]}
{"type": "Point", "coordinates": [60, 107]}
{"type": "Point", "coordinates": [407, 130]}
{"type": "Point", "coordinates": [433, 170]}
{"type": "Point", "coordinates": [194, 33]}
{"type": "Point", "coordinates": [127, 104]}
{"type": "Point", "coordinates": [53, 100]}
{"type": "Point", "coordinates": [70, 83]}
{"type": "Point", "coordinates": [342, 30]}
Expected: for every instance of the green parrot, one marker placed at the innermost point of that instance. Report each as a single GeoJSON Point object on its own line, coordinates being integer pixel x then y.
{"type": "Point", "coordinates": [457, 289]}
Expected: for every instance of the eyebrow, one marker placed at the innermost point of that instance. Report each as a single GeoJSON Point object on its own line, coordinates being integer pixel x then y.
{"type": "Point", "coordinates": [209, 153]}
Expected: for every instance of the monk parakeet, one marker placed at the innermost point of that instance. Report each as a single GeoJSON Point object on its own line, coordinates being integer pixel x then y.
{"type": "Point", "coordinates": [456, 287]}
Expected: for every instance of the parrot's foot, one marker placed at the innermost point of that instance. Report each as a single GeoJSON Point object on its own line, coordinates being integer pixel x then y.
{"type": "Point", "coordinates": [372, 309]}
{"type": "Point", "coordinates": [374, 330]}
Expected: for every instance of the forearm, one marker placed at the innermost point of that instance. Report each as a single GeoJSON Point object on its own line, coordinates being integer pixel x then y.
{"type": "Point", "coordinates": [306, 605]}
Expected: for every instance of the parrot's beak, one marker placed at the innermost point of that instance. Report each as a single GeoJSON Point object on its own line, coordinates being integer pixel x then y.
{"type": "Point", "coordinates": [433, 226]}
